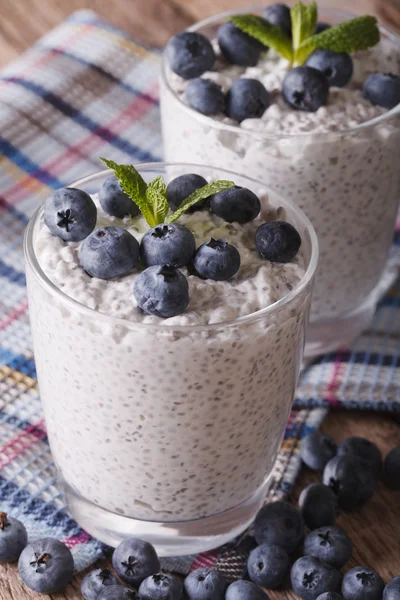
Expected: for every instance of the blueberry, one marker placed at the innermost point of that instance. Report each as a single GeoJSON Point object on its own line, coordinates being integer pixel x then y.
{"type": "Point", "coordinates": [330, 544]}
{"type": "Point", "coordinates": [162, 291]}
{"type": "Point", "coordinates": [364, 450]}
{"type": "Point", "coordinates": [168, 244]}
{"type": "Point", "coordinates": [114, 201]}
{"type": "Point", "coordinates": [134, 560]}
{"type": "Point", "coordinates": [190, 54]}
{"type": "Point", "coordinates": [316, 450]}
{"type": "Point", "coordinates": [205, 584]}
{"type": "Point", "coordinates": [205, 96]}
{"type": "Point", "coordinates": [70, 214]}
{"type": "Point", "coordinates": [109, 252]}
{"type": "Point", "coordinates": [352, 483]}
{"type": "Point", "coordinates": [281, 524]}
{"type": "Point", "coordinates": [382, 89]}
{"type": "Point", "coordinates": [391, 469]}
{"type": "Point", "coordinates": [94, 582]}
{"type": "Point", "coordinates": [245, 590]}
{"type": "Point", "coordinates": [336, 66]}
{"type": "Point", "coordinates": [238, 47]}
{"type": "Point", "coordinates": [247, 99]}
{"type": "Point", "coordinates": [321, 26]}
{"type": "Point", "coordinates": [362, 583]}
{"type": "Point", "coordinates": [278, 241]}
{"type": "Point", "coordinates": [216, 260]}
{"type": "Point", "coordinates": [235, 204]}
{"type": "Point", "coordinates": [46, 566]}
{"type": "Point", "coordinates": [13, 538]}
{"type": "Point", "coordinates": [392, 590]}
{"type": "Point", "coordinates": [318, 505]}
{"type": "Point", "coordinates": [160, 587]}
{"type": "Point", "coordinates": [268, 565]}
{"type": "Point", "coordinates": [116, 592]}
{"type": "Point", "coordinates": [183, 186]}
{"type": "Point", "coordinates": [279, 14]}
{"type": "Point", "coordinates": [305, 88]}
{"type": "Point", "coordinates": [330, 596]}
{"type": "Point", "coordinates": [311, 577]}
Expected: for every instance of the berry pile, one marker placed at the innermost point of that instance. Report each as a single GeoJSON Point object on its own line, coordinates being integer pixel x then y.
{"type": "Point", "coordinates": [46, 565]}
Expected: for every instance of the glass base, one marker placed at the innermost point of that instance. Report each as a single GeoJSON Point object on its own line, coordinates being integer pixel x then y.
{"type": "Point", "coordinates": [328, 336]}
{"type": "Point", "coordinates": [169, 539]}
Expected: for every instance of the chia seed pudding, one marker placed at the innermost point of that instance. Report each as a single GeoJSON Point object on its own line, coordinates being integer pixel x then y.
{"type": "Point", "coordinates": [338, 164]}
{"type": "Point", "coordinates": [177, 418]}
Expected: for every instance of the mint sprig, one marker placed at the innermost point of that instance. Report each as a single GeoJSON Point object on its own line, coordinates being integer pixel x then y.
{"type": "Point", "coordinates": [357, 34]}
{"type": "Point", "coordinates": [151, 198]}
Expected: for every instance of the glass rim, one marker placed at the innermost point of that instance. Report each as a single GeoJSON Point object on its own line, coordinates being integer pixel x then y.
{"type": "Point", "coordinates": [213, 123]}
{"type": "Point", "coordinates": [76, 306]}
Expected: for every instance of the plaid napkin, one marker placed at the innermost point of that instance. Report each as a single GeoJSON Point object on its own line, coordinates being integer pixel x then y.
{"type": "Point", "coordinates": [86, 90]}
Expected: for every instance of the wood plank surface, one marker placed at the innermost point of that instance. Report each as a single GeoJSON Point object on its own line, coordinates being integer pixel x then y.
{"type": "Point", "coordinates": [375, 530]}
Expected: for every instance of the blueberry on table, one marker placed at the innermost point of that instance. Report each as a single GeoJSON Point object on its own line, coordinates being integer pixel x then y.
{"type": "Point", "coordinates": [216, 260]}
{"type": "Point", "coordinates": [134, 560]}
{"type": "Point", "coordinates": [13, 538]}
{"type": "Point", "coordinates": [235, 204]}
{"type": "Point", "coordinates": [245, 590]}
{"type": "Point", "coordinates": [311, 577]}
{"type": "Point", "coordinates": [46, 566]}
{"type": "Point", "coordinates": [268, 565]}
{"type": "Point", "coordinates": [238, 47]}
{"type": "Point", "coordinates": [382, 89]}
{"type": "Point", "coordinates": [167, 244]}
{"type": "Point", "coordinates": [332, 545]}
{"type": "Point", "coordinates": [364, 450]}
{"type": "Point", "coordinates": [330, 596]}
{"type": "Point", "coordinates": [109, 252]}
{"type": "Point", "coordinates": [281, 524]}
{"type": "Point", "coordinates": [337, 67]}
{"type": "Point", "coordinates": [279, 14]}
{"type": "Point", "coordinates": [316, 450]}
{"type": "Point", "coordinates": [278, 241]}
{"type": "Point", "coordinates": [116, 592]}
{"type": "Point", "coordinates": [352, 483]}
{"type": "Point", "coordinates": [321, 26]}
{"type": "Point", "coordinates": [362, 583]}
{"type": "Point", "coordinates": [70, 214]}
{"type": "Point", "coordinates": [391, 469]}
{"type": "Point", "coordinates": [247, 99]}
{"type": "Point", "coordinates": [205, 584]}
{"type": "Point", "coordinates": [94, 582]}
{"type": "Point", "coordinates": [160, 587]}
{"type": "Point", "coordinates": [190, 54]}
{"type": "Point", "coordinates": [305, 88]}
{"type": "Point", "coordinates": [162, 291]}
{"type": "Point", "coordinates": [205, 96]}
{"type": "Point", "coordinates": [114, 201]}
{"type": "Point", "coordinates": [392, 590]}
{"type": "Point", "coordinates": [318, 505]}
{"type": "Point", "coordinates": [182, 187]}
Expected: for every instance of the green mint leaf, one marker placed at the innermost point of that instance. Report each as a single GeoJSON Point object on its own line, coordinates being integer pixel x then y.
{"type": "Point", "coordinates": [156, 195]}
{"type": "Point", "coordinates": [200, 194]}
{"type": "Point", "coordinates": [264, 32]}
{"type": "Point", "coordinates": [304, 20]}
{"type": "Point", "coordinates": [360, 33]}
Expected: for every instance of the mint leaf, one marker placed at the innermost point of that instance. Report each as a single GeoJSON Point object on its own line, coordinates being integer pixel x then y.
{"type": "Point", "coordinates": [304, 19]}
{"type": "Point", "coordinates": [360, 33]}
{"type": "Point", "coordinates": [156, 195]}
{"type": "Point", "coordinates": [264, 32]}
{"type": "Point", "coordinates": [200, 194]}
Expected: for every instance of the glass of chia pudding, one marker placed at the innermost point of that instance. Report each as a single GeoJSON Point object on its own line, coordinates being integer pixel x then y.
{"type": "Point", "coordinates": [166, 388]}
{"type": "Point", "coordinates": [338, 161]}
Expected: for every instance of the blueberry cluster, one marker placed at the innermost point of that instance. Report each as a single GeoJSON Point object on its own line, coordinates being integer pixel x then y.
{"type": "Point", "coordinates": [161, 289]}
{"type": "Point", "coordinates": [190, 55]}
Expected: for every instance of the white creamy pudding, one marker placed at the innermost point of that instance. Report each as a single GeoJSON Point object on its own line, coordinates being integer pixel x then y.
{"type": "Point", "coordinates": [177, 418]}
{"type": "Point", "coordinates": [338, 164]}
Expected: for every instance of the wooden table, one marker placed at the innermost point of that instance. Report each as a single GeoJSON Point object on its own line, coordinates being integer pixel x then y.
{"type": "Point", "coordinates": [375, 530]}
